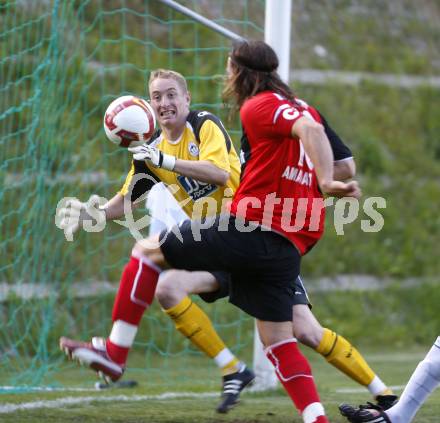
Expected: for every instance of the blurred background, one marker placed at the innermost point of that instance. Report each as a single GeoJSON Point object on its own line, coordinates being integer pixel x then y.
{"type": "Point", "coordinates": [372, 68]}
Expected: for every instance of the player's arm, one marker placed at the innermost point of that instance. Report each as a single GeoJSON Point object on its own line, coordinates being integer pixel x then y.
{"type": "Point", "coordinates": [317, 147]}
{"type": "Point", "coordinates": [138, 182]}
{"type": "Point", "coordinates": [344, 166]}
{"type": "Point", "coordinates": [114, 208]}
{"type": "Point", "coordinates": [213, 164]}
{"type": "Point", "coordinates": [215, 144]}
{"type": "Point", "coordinates": [344, 169]}
{"type": "Point", "coordinates": [202, 170]}
{"type": "Point", "coordinates": [72, 216]}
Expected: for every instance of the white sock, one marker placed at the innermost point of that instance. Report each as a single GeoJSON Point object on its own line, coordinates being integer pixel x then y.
{"type": "Point", "coordinates": [423, 381]}
{"type": "Point", "coordinates": [224, 357]}
{"type": "Point", "coordinates": [123, 334]}
{"type": "Point", "coordinates": [311, 413]}
{"type": "Point", "coordinates": [376, 387]}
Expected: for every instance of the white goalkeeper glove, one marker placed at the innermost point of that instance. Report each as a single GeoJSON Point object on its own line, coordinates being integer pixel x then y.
{"type": "Point", "coordinates": [156, 157]}
{"type": "Point", "coordinates": [74, 214]}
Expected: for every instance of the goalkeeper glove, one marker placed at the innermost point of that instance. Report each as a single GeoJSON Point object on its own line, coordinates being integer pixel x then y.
{"type": "Point", "coordinates": [156, 157]}
{"type": "Point", "coordinates": [75, 214]}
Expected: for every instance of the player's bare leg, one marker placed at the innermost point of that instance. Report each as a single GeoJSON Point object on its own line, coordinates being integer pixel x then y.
{"type": "Point", "coordinates": [175, 285]}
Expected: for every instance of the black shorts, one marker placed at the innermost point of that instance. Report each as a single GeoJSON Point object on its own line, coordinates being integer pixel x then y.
{"type": "Point", "coordinates": [224, 281]}
{"type": "Point", "coordinates": [263, 265]}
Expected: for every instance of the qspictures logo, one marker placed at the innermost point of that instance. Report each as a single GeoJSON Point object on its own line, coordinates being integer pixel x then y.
{"type": "Point", "coordinates": [296, 214]}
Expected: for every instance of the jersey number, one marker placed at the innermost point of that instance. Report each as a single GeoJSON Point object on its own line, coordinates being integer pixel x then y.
{"type": "Point", "coordinates": [303, 155]}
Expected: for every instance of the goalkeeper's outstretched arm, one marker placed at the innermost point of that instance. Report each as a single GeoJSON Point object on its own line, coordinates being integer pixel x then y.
{"type": "Point", "coordinates": [114, 208]}
{"type": "Point", "coordinates": [90, 215]}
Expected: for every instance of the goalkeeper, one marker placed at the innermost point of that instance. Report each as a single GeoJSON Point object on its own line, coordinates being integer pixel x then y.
{"type": "Point", "coordinates": [193, 155]}
{"type": "Point", "coordinates": [193, 151]}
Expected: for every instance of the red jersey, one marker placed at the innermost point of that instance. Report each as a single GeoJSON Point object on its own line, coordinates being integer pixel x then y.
{"type": "Point", "coordinates": [278, 188]}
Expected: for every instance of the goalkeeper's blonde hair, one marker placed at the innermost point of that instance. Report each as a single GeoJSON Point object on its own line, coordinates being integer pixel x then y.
{"type": "Point", "coordinates": [169, 74]}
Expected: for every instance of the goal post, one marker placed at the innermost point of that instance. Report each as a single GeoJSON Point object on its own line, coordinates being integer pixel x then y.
{"type": "Point", "coordinates": [277, 35]}
{"type": "Point", "coordinates": [277, 32]}
{"type": "Point", "coordinates": [201, 19]}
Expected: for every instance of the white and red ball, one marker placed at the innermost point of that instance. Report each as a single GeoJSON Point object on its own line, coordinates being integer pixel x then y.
{"type": "Point", "coordinates": [129, 121]}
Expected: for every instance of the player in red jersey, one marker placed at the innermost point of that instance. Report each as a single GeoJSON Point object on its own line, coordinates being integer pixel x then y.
{"type": "Point", "coordinates": [286, 160]}
{"type": "Point", "coordinates": [276, 215]}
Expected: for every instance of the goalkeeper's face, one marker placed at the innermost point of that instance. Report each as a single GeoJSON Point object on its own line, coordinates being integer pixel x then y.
{"type": "Point", "coordinates": [170, 102]}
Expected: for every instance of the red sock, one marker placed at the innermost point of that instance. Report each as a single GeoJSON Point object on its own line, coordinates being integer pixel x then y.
{"type": "Point", "coordinates": [135, 294]}
{"type": "Point", "coordinates": [293, 371]}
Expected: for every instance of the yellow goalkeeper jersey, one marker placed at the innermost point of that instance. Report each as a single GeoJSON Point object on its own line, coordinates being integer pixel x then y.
{"type": "Point", "coordinates": [204, 138]}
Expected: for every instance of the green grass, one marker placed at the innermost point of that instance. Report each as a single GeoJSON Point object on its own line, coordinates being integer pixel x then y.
{"type": "Point", "coordinates": [101, 50]}
{"type": "Point", "coordinates": [409, 313]}
{"type": "Point", "coordinates": [394, 367]}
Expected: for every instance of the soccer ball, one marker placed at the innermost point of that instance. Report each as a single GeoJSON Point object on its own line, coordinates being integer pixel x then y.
{"type": "Point", "coordinates": [129, 121]}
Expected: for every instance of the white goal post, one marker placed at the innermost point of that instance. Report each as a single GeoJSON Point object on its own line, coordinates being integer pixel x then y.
{"type": "Point", "coordinates": [277, 35]}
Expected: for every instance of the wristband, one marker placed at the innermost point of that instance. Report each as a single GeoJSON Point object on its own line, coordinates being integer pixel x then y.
{"type": "Point", "coordinates": [168, 162]}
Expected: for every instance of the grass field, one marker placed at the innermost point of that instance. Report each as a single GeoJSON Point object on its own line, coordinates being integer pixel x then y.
{"type": "Point", "coordinates": [196, 389]}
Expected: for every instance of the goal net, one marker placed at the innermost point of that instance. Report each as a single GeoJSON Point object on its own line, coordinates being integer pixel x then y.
{"type": "Point", "coordinates": [62, 63]}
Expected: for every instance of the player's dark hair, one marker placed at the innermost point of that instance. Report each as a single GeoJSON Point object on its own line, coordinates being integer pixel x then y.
{"type": "Point", "coordinates": [254, 64]}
